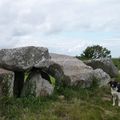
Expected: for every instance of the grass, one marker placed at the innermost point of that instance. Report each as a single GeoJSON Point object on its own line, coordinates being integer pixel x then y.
{"type": "Point", "coordinates": [116, 61]}
{"type": "Point", "coordinates": [78, 104]}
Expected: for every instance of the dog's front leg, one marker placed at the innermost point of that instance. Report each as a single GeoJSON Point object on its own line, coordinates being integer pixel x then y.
{"type": "Point", "coordinates": [114, 99]}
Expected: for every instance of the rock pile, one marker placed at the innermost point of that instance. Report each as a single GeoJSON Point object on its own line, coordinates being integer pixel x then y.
{"type": "Point", "coordinates": [105, 64]}
{"type": "Point", "coordinates": [20, 60]}
{"type": "Point", "coordinates": [37, 61]}
{"type": "Point", "coordinates": [74, 72]}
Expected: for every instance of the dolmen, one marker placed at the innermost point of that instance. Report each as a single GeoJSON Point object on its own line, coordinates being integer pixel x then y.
{"type": "Point", "coordinates": [26, 71]}
{"type": "Point", "coordinates": [19, 61]}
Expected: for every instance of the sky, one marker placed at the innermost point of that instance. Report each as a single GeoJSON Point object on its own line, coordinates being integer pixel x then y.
{"type": "Point", "coordinates": [63, 26]}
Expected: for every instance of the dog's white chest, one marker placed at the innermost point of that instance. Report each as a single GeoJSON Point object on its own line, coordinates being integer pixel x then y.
{"type": "Point", "coordinates": [114, 92]}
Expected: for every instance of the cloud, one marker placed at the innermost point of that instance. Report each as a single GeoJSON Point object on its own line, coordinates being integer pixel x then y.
{"type": "Point", "coordinates": [35, 22]}
{"type": "Point", "coordinates": [51, 16]}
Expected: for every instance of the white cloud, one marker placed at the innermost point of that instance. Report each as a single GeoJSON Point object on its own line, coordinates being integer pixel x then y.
{"type": "Point", "coordinates": [59, 15]}
{"type": "Point", "coordinates": [35, 22]}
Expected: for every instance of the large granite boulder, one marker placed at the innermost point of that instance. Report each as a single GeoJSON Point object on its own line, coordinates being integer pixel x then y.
{"type": "Point", "coordinates": [102, 77]}
{"type": "Point", "coordinates": [6, 83]}
{"type": "Point", "coordinates": [70, 71]}
{"type": "Point", "coordinates": [20, 59]}
{"type": "Point", "coordinates": [36, 86]}
{"type": "Point", "coordinates": [105, 64]}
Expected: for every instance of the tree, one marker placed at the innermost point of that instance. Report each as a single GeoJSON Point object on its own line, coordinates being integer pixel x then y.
{"type": "Point", "coordinates": [95, 51]}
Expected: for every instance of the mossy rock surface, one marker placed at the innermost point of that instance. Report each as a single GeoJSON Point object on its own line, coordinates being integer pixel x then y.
{"type": "Point", "coordinates": [6, 83]}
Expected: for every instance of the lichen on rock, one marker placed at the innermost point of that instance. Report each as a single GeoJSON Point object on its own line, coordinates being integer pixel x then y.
{"type": "Point", "coordinates": [6, 83]}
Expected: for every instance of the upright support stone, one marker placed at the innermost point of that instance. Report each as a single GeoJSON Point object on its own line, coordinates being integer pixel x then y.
{"type": "Point", "coordinates": [6, 83]}
{"type": "Point", "coordinates": [36, 86]}
{"type": "Point", "coordinates": [18, 83]}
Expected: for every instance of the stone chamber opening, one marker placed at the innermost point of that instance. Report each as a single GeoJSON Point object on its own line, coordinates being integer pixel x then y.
{"type": "Point", "coordinates": [18, 83]}
{"type": "Point", "coordinates": [22, 76]}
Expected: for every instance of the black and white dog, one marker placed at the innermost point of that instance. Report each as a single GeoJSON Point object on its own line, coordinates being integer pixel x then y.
{"type": "Point", "coordinates": [115, 91]}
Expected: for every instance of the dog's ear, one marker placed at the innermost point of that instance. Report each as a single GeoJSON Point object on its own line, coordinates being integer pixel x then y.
{"type": "Point", "coordinates": [115, 83]}
{"type": "Point", "coordinates": [110, 83]}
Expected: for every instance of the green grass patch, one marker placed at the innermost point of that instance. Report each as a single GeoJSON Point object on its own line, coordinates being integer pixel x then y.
{"type": "Point", "coordinates": [116, 61]}
{"type": "Point", "coordinates": [77, 104]}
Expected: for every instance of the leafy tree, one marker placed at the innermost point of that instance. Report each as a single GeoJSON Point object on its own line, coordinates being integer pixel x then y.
{"type": "Point", "coordinates": [95, 51]}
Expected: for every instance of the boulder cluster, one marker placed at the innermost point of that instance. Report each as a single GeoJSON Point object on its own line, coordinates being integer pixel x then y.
{"type": "Point", "coordinates": [26, 71]}
{"type": "Point", "coordinates": [18, 62]}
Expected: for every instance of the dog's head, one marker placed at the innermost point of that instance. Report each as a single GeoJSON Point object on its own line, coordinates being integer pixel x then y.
{"type": "Point", "coordinates": [113, 84]}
